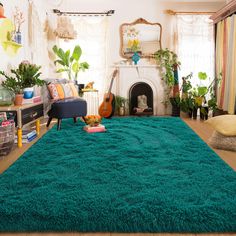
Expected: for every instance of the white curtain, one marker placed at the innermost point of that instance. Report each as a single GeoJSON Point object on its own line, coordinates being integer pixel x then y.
{"type": "Point", "coordinates": [92, 36]}
{"type": "Point", "coordinates": [194, 39]}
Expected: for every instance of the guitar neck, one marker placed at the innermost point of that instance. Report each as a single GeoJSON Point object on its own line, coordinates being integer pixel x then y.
{"type": "Point", "coordinates": [112, 80]}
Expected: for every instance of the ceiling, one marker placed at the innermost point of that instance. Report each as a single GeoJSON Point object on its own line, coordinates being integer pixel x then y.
{"type": "Point", "coordinates": [193, 1]}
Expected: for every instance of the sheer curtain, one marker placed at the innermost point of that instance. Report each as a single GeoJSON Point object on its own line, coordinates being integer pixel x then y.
{"type": "Point", "coordinates": [92, 36]}
{"type": "Point", "coordinates": [194, 39]}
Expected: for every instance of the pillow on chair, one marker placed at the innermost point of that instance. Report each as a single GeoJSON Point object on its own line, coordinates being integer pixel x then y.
{"type": "Point", "coordinates": [62, 90]}
{"type": "Point", "coordinates": [225, 124]}
{"type": "Point", "coordinates": [221, 141]}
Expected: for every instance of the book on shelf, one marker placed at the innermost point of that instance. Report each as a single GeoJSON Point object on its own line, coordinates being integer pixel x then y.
{"type": "Point", "coordinates": [28, 133]}
{"type": "Point", "coordinates": [27, 136]}
{"type": "Point", "coordinates": [94, 129]}
{"type": "Point", "coordinates": [27, 140]}
{"type": "Point", "coordinates": [35, 99]}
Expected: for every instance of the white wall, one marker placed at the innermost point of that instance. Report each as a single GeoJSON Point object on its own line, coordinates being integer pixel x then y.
{"type": "Point", "coordinates": [7, 62]}
{"type": "Point", "coordinates": [125, 11]}
{"type": "Point", "coordinates": [130, 10]}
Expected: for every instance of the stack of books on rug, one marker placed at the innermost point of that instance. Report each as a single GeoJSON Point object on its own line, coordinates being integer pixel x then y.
{"type": "Point", "coordinates": [27, 136]}
{"type": "Point", "coordinates": [94, 129]}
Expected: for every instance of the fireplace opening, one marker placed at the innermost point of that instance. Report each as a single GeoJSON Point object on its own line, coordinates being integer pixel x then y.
{"type": "Point", "coordinates": [141, 99]}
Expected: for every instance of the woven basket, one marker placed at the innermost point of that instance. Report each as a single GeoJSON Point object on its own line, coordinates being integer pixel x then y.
{"type": "Point", "coordinates": [7, 136]}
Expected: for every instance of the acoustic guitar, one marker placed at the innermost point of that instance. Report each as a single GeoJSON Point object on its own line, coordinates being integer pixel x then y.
{"type": "Point", "coordinates": [107, 108]}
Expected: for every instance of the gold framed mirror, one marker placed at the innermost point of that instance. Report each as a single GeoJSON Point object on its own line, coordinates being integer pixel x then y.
{"type": "Point", "coordinates": [140, 36]}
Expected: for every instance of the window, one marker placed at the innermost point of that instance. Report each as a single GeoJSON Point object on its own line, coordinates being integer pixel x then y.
{"type": "Point", "coordinates": [92, 38]}
{"type": "Point", "coordinates": [195, 45]}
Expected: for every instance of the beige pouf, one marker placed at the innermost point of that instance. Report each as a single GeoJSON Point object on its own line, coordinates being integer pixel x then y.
{"type": "Point", "coordinates": [224, 136]}
{"type": "Point", "coordinates": [225, 124]}
{"type": "Point", "coordinates": [221, 141]}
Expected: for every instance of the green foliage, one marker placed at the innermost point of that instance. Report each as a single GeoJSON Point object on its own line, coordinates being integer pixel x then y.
{"type": "Point", "coordinates": [12, 84]}
{"type": "Point", "coordinates": [167, 61]}
{"type": "Point", "coordinates": [187, 104]}
{"type": "Point", "coordinates": [120, 101]}
{"type": "Point", "coordinates": [69, 63]}
{"type": "Point", "coordinates": [202, 75]}
{"type": "Point", "coordinates": [26, 75]}
{"type": "Point", "coordinates": [29, 75]}
{"type": "Point", "coordinates": [175, 101]}
{"type": "Point", "coordinates": [195, 97]}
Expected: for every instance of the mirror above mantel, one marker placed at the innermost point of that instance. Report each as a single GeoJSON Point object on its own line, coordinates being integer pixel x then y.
{"type": "Point", "coordinates": [140, 36]}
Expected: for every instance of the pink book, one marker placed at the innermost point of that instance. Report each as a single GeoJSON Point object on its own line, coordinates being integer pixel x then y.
{"type": "Point", "coordinates": [95, 129]}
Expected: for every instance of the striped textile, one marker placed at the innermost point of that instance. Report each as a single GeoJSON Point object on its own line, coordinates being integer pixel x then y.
{"type": "Point", "coordinates": [225, 63]}
{"type": "Point", "coordinates": [59, 91]}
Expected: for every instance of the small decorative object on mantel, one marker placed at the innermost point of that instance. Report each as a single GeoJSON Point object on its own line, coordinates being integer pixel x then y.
{"type": "Point", "coordinates": [135, 58]}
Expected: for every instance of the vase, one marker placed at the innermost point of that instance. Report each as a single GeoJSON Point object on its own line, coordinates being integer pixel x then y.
{"type": "Point", "coordinates": [135, 58]}
{"type": "Point", "coordinates": [18, 37]}
{"type": "Point", "coordinates": [28, 93]}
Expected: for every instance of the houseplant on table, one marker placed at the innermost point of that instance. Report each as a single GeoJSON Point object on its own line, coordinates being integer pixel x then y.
{"type": "Point", "coordinates": [25, 76]}
{"type": "Point", "coordinates": [70, 63]}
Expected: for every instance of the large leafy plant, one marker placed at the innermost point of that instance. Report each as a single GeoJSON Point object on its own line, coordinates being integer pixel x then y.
{"type": "Point", "coordinates": [70, 62]}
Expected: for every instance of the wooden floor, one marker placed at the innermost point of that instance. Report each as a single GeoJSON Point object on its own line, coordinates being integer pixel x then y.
{"type": "Point", "coordinates": [202, 129]}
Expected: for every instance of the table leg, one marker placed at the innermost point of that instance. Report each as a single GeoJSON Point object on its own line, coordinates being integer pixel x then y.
{"type": "Point", "coordinates": [19, 137]}
{"type": "Point", "coordinates": [38, 126]}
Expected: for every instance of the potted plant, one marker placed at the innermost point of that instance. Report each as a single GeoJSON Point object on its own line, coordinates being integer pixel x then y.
{"type": "Point", "coordinates": [187, 101]}
{"type": "Point", "coordinates": [25, 76]}
{"type": "Point", "coordinates": [29, 74]}
{"type": "Point", "coordinates": [70, 63]}
{"type": "Point", "coordinates": [120, 105]}
{"type": "Point", "coordinates": [13, 84]}
{"type": "Point", "coordinates": [169, 64]}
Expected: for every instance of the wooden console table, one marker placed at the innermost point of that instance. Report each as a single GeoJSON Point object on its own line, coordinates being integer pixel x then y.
{"type": "Point", "coordinates": [25, 115]}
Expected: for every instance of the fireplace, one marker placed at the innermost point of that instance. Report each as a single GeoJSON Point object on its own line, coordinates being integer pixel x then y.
{"type": "Point", "coordinates": [140, 93]}
{"type": "Point", "coordinates": [141, 75]}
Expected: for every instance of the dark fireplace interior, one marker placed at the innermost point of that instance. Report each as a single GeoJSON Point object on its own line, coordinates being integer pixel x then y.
{"type": "Point", "coordinates": [141, 90]}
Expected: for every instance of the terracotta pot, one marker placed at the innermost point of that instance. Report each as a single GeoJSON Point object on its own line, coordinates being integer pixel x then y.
{"type": "Point", "coordinates": [18, 99]}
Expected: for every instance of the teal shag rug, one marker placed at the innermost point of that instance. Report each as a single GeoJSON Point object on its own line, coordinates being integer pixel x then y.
{"type": "Point", "coordinates": [143, 175]}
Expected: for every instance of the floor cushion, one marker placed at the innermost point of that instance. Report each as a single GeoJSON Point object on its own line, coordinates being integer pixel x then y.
{"type": "Point", "coordinates": [221, 141]}
{"type": "Point", "coordinates": [225, 124]}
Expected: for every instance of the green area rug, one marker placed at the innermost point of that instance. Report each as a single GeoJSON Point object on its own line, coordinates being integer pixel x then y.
{"type": "Point", "coordinates": [143, 175]}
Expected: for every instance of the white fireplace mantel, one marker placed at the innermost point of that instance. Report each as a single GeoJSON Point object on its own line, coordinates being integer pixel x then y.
{"type": "Point", "coordinates": [128, 75]}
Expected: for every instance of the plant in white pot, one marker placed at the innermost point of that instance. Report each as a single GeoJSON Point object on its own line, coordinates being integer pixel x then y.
{"type": "Point", "coordinates": [26, 76]}
{"type": "Point", "coordinates": [29, 75]}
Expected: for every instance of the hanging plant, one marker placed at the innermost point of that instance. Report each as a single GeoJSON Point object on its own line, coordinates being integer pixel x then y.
{"type": "Point", "coordinates": [168, 61]}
